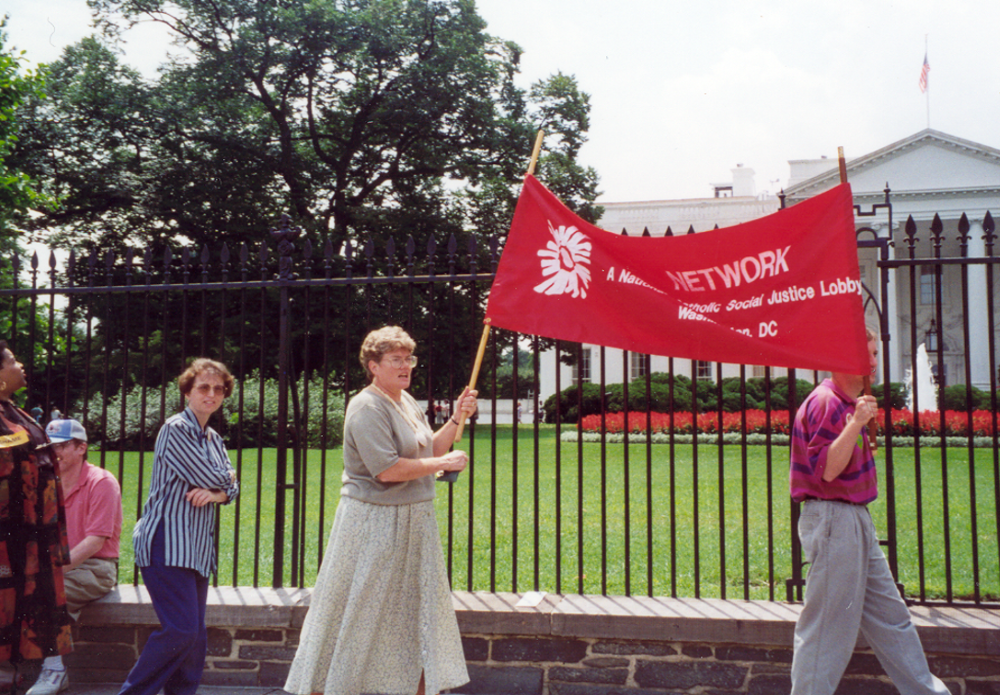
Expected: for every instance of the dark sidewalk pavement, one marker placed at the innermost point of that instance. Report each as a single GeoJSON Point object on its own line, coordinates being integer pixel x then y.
{"type": "Point", "coordinates": [112, 689]}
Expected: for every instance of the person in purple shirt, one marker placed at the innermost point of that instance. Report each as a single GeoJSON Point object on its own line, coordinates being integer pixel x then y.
{"type": "Point", "coordinates": [849, 588]}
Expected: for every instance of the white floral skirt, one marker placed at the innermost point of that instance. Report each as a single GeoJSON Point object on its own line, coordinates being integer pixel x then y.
{"type": "Point", "coordinates": [381, 611]}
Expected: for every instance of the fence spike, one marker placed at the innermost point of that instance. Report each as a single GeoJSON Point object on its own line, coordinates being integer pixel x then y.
{"type": "Point", "coordinates": [963, 234]}
{"type": "Point", "coordinates": [910, 229]}
{"type": "Point", "coordinates": [936, 225]}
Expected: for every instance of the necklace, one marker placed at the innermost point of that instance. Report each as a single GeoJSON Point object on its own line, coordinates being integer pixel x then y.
{"type": "Point", "coordinates": [415, 422]}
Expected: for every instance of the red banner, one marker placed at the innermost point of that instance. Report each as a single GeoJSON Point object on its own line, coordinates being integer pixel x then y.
{"type": "Point", "coordinates": [782, 290]}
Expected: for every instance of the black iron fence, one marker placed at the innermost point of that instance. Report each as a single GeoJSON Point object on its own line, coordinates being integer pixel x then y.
{"type": "Point", "coordinates": [103, 337]}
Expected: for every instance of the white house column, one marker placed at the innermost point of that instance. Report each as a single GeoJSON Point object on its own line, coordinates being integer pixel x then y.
{"type": "Point", "coordinates": [890, 307]}
{"type": "Point", "coordinates": [979, 345]}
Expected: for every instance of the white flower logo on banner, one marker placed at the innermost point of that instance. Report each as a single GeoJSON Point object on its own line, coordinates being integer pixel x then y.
{"type": "Point", "coordinates": [566, 259]}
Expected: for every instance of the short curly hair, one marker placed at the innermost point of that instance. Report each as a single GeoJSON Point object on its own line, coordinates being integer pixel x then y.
{"type": "Point", "coordinates": [384, 340]}
{"type": "Point", "coordinates": [199, 366]}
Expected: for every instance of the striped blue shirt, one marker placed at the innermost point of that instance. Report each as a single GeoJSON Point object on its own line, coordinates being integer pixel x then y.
{"type": "Point", "coordinates": [185, 457]}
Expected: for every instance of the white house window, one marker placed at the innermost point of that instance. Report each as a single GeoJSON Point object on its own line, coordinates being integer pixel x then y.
{"type": "Point", "coordinates": [928, 285]}
{"type": "Point", "coordinates": [637, 365]}
{"type": "Point", "coordinates": [581, 372]}
{"type": "Point", "coordinates": [703, 370]}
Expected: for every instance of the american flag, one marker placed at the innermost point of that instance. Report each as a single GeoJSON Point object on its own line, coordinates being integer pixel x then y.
{"type": "Point", "coordinates": [923, 74]}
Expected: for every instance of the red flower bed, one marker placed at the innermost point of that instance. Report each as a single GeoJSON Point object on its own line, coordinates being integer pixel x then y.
{"type": "Point", "coordinates": [956, 423]}
{"type": "Point", "coordinates": [682, 422]}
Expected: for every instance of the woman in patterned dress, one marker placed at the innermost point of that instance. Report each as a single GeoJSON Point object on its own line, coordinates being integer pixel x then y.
{"type": "Point", "coordinates": [380, 619]}
{"type": "Point", "coordinates": [33, 543]}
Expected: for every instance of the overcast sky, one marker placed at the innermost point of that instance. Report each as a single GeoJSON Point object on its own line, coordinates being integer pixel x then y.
{"type": "Point", "coordinates": [682, 91]}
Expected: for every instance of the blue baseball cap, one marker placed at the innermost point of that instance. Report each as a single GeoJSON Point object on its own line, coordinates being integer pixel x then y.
{"type": "Point", "coordinates": [64, 430]}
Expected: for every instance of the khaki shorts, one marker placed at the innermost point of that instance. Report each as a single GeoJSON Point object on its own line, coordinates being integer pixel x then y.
{"type": "Point", "coordinates": [90, 581]}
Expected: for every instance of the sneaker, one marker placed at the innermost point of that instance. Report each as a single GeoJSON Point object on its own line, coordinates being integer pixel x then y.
{"type": "Point", "coordinates": [8, 680]}
{"type": "Point", "coordinates": [50, 682]}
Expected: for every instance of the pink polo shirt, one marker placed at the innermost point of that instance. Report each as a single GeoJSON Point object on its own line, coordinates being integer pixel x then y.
{"type": "Point", "coordinates": [94, 508]}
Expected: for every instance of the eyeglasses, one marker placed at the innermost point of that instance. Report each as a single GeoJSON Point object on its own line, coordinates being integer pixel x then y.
{"type": "Point", "coordinates": [206, 389]}
{"type": "Point", "coordinates": [400, 362]}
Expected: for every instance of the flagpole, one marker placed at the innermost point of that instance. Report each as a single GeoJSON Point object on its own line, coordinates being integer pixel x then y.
{"type": "Point", "coordinates": [927, 92]}
{"type": "Point", "coordinates": [873, 423]}
{"type": "Point", "coordinates": [486, 322]}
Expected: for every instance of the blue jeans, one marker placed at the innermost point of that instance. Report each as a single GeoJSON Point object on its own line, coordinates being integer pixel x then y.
{"type": "Point", "coordinates": [174, 655]}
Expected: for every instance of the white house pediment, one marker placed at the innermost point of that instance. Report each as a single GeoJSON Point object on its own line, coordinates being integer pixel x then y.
{"type": "Point", "coordinates": [927, 163]}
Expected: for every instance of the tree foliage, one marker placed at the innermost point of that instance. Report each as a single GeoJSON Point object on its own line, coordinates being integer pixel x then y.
{"type": "Point", "coordinates": [368, 121]}
{"type": "Point", "coordinates": [359, 117]}
{"type": "Point", "coordinates": [18, 191]}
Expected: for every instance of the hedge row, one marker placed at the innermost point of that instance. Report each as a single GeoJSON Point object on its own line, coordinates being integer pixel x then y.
{"type": "Point", "coordinates": [572, 406]}
{"type": "Point", "coordinates": [257, 423]}
{"type": "Point", "coordinates": [659, 399]}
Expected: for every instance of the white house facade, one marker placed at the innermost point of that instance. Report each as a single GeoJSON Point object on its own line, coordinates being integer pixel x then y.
{"type": "Point", "coordinates": [930, 173]}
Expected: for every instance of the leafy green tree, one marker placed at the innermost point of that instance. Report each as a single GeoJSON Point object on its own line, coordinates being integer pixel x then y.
{"type": "Point", "coordinates": [18, 191]}
{"type": "Point", "coordinates": [366, 120]}
{"type": "Point", "coordinates": [563, 111]}
{"type": "Point", "coordinates": [32, 329]}
{"type": "Point", "coordinates": [361, 118]}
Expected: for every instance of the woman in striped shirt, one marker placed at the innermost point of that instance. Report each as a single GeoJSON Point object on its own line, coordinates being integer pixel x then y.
{"type": "Point", "coordinates": [175, 538]}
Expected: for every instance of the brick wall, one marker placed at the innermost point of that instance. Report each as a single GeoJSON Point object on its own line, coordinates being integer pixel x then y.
{"type": "Point", "coordinates": [565, 645]}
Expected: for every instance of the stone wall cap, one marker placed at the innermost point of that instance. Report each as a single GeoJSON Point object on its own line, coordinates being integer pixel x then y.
{"type": "Point", "coordinates": [942, 629]}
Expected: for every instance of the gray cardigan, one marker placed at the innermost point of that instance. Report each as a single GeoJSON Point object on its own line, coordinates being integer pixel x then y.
{"type": "Point", "coordinates": [375, 437]}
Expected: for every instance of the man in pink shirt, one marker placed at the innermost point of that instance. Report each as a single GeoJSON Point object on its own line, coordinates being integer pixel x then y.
{"type": "Point", "coordinates": [849, 589]}
{"type": "Point", "coordinates": [93, 502]}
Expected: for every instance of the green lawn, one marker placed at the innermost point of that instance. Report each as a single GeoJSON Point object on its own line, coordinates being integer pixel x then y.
{"type": "Point", "coordinates": [503, 545]}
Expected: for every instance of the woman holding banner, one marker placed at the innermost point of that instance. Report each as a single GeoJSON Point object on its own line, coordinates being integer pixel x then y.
{"type": "Point", "coordinates": [380, 619]}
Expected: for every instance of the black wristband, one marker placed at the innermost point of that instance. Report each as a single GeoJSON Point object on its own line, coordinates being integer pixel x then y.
{"type": "Point", "coordinates": [454, 421]}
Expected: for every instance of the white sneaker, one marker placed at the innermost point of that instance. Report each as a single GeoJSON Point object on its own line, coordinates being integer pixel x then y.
{"type": "Point", "coordinates": [50, 682]}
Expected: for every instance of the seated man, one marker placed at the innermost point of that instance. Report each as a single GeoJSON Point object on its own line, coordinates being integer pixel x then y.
{"type": "Point", "coordinates": [93, 501]}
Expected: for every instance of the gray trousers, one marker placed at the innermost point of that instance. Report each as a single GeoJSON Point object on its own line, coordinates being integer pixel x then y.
{"type": "Point", "coordinates": [849, 589]}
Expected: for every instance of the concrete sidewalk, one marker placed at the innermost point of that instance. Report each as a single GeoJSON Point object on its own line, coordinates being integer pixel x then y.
{"type": "Point", "coordinates": [113, 688]}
